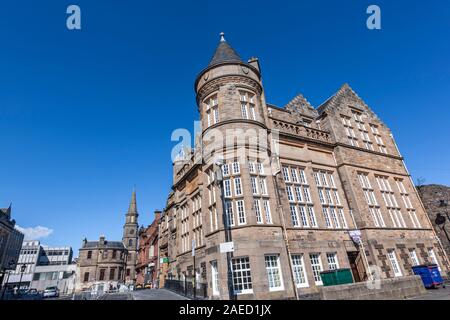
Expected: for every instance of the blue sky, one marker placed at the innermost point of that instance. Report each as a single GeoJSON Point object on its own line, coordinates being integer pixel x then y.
{"type": "Point", "coordinates": [86, 115]}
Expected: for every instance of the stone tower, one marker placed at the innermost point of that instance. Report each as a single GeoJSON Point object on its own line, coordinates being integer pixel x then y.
{"type": "Point", "coordinates": [130, 238]}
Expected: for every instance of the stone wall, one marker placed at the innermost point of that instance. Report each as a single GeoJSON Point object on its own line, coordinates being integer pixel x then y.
{"type": "Point", "coordinates": [392, 288]}
{"type": "Point", "coordinates": [431, 196]}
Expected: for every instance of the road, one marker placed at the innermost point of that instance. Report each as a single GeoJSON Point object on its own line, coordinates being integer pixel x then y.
{"type": "Point", "coordinates": [146, 294]}
{"type": "Point", "coordinates": [156, 294]}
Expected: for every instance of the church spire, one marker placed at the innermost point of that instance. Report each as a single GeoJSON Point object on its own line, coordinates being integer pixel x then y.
{"type": "Point", "coordinates": [132, 209]}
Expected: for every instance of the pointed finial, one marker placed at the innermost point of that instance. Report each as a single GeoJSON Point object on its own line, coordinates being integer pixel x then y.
{"type": "Point", "coordinates": [222, 37]}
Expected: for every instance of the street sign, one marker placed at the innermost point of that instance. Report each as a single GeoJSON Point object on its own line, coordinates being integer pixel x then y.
{"type": "Point", "coordinates": [193, 247]}
{"type": "Point", "coordinates": [227, 247]}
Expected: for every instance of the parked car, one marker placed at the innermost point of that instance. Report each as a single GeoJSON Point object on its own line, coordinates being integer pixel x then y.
{"type": "Point", "coordinates": [51, 292]}
{"type": "Point", "coordinates": [31, 294]}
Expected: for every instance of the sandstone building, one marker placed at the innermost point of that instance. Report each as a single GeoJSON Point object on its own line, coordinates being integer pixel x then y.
{"type": "Point", "coordinates": [110, 262]}
{"type": "Point", "coordinates": [147, 262]}
{"type": "Point", "coordinates": [290, 187]}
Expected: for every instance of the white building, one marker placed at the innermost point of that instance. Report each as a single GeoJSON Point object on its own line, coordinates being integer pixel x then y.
{"type": "Point", "coordinates": [44, 267]}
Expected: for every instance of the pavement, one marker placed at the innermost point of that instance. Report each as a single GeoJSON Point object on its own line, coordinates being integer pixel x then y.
{"type": "Point", "coordinates": [435, 294]}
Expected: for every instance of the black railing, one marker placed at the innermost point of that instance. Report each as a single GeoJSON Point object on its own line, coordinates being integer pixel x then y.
{"type": "Point", "coordinates": [186, 288]}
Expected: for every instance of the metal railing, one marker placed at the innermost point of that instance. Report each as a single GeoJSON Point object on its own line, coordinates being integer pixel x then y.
{"type": "Point", "coordinates": [186, 288]}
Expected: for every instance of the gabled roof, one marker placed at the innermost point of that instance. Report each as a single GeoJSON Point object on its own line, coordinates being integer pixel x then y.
{"type": "Point", "coordinates": [300, 106]}
{"type": "Point", "coordinates": [224, 53]}
{"type": "Point", "coordinates": [347, 94]}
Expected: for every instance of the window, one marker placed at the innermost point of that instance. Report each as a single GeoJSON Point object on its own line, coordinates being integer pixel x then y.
{"type": "Point", "coordinates": [102, 274]}
{"type": "Point", "coordinates": [299, 271]}
{"type": "Point", "coordinates": [316, 266]}
{"type": "Point", "coordinates": [262, 185]}
{"type": "Point", "coordinates": [259, 190]}
{"type": "Point", "coordinates": [378, 139]}
{"type": "Point", "coordinates": [303, 217]}
{"type": "Point", "coordinates": [342, 217]}
{"type": "Point", "coordinates": [332, 261]}
{"type": "Point", "coordinates": [242, 279]}
{"type": "Point", "coordinates": [391, 202]}
{"type": "Point", "coordinates": [267, 211]}
{"type": "Point", "coordinates": [225, 170]}
{"type": "Point", "coordinates": [254, 184]}
{"type": "Point", "coordinates": [274, 272]}
{"type": "Point", "coordinates": [294, 215]}
{"type": "Point", "coordinates": [229, 213]}
{"type": "Point", "coordinates": [374, 208]}
{"type": "Point", "coordinates": [227, 188]}
{"type": "Point", "coordinates": [89, 254]}
{"type": "Point", "coordinates": [312, 217]}
{"type": "Point", "coordinates": [326, 217]}
{"type": "Point", "coordinates": [247, 106]}
{"type": "Point", "coordinates": [241, 212]}
{"type": "Point", "coordinates": [257, 211]}
{"type": "Point", "coordinates": [236, 168]}
{"type": "Point", "coordinates": [212, 111]}
{"type": "Point", "coordinates": [112, 274]}
{"type": "Point", "coordinates": [130, 242]}
{"type": "Point", "coordinates": [407, 202]}
{"type": "Point", "coordinates": [215, 278]}
{"type": "Point", "coordinates": [433, 258]}
{"type": "Point", "coordinates": [394, 263]}
{"type": "Point", "coordinates": [237, 186]}
{"type": "Point", "coordinates": [414, 258]}
{"type": "Point", "coordinates": [351, 136]}
{"type": "Point", "coordinates": [86, 277]}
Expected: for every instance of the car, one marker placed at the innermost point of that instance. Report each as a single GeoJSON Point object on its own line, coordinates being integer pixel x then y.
{"type": "Point", "coordinates": [51, 292]}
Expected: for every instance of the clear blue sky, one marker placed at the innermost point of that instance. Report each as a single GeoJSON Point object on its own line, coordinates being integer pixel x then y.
{"type": "Point", "coordinates": [85, 115]}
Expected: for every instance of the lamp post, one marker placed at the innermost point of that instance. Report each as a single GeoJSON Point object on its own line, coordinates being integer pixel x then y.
{"type": "Point", "coordinates": [227, 227]}
{"type": "Point", "coordinates": [23, 267]}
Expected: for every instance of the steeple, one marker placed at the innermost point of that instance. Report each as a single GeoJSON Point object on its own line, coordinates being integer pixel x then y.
{"type": "Point", "coordinates": [224, 53]}
{"type": "Point", "coordinates": [132, 209]}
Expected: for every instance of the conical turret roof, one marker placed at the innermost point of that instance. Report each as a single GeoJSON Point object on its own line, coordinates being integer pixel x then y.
{"type": "Point", "coordinates": [224, 53]}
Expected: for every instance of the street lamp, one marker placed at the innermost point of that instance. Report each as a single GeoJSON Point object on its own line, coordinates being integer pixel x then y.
{"type": "Point", "coordinates": [22, 270]}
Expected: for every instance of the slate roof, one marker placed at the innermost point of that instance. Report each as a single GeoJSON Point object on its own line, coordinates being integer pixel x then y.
{"type": "Point", "coordinates": [108, 244]}
{"type": "Point", "coordinates": [224, 53]}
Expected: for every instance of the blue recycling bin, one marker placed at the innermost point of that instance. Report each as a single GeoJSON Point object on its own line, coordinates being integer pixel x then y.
{"type": "Point", "coordinates": [431, 277]}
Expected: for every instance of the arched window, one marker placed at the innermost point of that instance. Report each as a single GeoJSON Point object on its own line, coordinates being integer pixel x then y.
{"type": "Point", "coordinates": [130, 242]}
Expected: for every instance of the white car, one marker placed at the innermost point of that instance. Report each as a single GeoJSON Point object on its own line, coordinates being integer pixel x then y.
{"type": "Point", "coordinates": [51, 292]}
